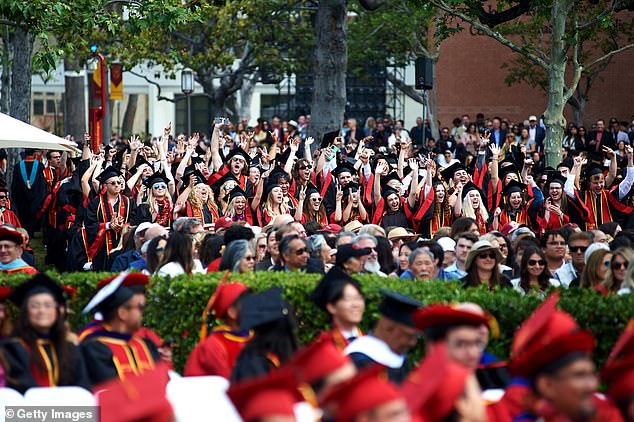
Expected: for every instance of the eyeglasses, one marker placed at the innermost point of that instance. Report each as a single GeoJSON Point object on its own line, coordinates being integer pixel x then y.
{"type": "Point", "coordinates": [249, 258]}
{"type": "Point", "coordinates": [316, 199]}
{"type": "Point", "coordinates": [306, 167]}
{"type": "Point", "coordinates": [533, 262]}
{"type": "Point", "coordinates": [3, 196]}
{"type": "Point", "coordinates": [578, 249]}
{"type": "Point", "coordinates": [490, 255]}
{"type": "Point", "coordinates": [557, 243]}
{"type": "Point", "coordinates": [160, 186]}
{"type": "Point", "coordinates": [619, 265]}
{"type": "Point", "coordinates": [239, 159]}
{"type": "Point", "coordinates": [301, 251]}
{"type": "Point", "coordinates": [116, 182]}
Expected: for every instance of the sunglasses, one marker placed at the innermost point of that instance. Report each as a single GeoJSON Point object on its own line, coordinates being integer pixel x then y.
{"type": "Point", "coordinates": [316, 199]}
{"type": "Point", "coordinates": [115, 183]}
{"type": "Point", "coordinates": [619, 265]}
{"type": "Point", "coordinates": [261, 246]}
{"type": "Point", "coordinates": [301, 251]}
{"type": "Point", "coordinates": [490, 255]}
{"type": "Point", "coordinates": [578, 248]}
{"type": "Point", "coordinates": [3, 196]}
{"type": "Point", "coordinates": [239, 159]}
{"type": "Point", "coordinates": [606, 264]}
{"type": "Point", "coordinates": [533, 262]}
{"type": "Point", "coordinates": [159, 186]}
{"type": "Point", "coordinates": [309, 167]}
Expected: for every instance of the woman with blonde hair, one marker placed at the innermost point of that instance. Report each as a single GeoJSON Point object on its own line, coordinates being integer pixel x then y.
{"type": "Point", "coordinates": [197, 200]}
{"type": "Point", "coordinates": [469, 203]}
{"type": "Point", "coordinates": [598, 261]}
{"type": "Point", "coordinates": [158, 206]}
{"type": "Point", "coordinates": [615, 280]}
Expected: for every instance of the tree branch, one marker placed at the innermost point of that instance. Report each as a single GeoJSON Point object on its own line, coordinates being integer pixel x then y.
{"type": "Point", "coordinates": [489, 32]}
{"type": "Point", "coordinates": [156, 84]}
{"type": "Point", "coordinates": [9, 23]}
{"type": "Point", "coordinates": [608, 55]}
{"type": "Point", "coordinates": [613, 7]}
{"type": "Point", "coordinates": [493, 19]}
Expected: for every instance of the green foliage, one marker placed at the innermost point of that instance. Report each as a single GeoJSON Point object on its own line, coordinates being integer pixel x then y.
{"type": "Point", "coordinates": [174, 306]}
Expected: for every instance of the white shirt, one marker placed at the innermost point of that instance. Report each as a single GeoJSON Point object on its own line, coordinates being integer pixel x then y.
{"type": "Point", "coordinates": [565, 274]}
{"type": "Point", "coordinates": [377, 350]}
{"type": "Point", "coordinates": [174, 269]}
{"type": "Point", "coordinates": [516, 285]}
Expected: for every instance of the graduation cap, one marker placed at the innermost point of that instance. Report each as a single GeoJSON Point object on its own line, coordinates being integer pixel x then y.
{"type": "Point", "coordinates": [441, 315]}
{"type": "Point", "coordinates": [268, 188]}
{"type": "Point", "coordinates": [350, 186]}
{"type": "Point", "coordinates": [192, 171]}
{"type": "Point", "coordinates": [504, 170]}
{"type": "Point", "coordinates": [344, 167]}
{"type": "Point", "coordinates": [391, 176]}
{"type": "Point", "coordinates": [387, 191]}
{"type": "Point", "coordinates": [284, 156]}
{"type": "Point", "coordinates": [238, 152]}
{"type": "Point", "coordinates": [468, 187]}
{"type": "Point", "coordinates": [111, 296]}
{"type": "Point", "coordinates": [9, 233]}
{"type": "Point", "coordinates": [40, 283]}
{"type": "Point", "coordinates": [135, 281]}
{"type": "Point", "coordinates": [375, 161]}
{"type": "Point", "coordinates": [278, 173]}
{"type": "Point", "coordinates": [593, 169]}
{"type": "Point", "coordinates": [310, 189]}
{"type": "Point", "coordinates": [449, 172]}
{"type": "Point", "coordinates": [398, 307]}
{"type": "Point", "coordinates": [329, 138]}
{"type": "Point", "coordinates": [197, 159]}
{"type": "Point", "coordinates": [235, 192]}
{"type": "Point", "coordinates": [272, 395]}
{"type": "Point", "coordinates": [317, 360]}
{"type": "Point", "coordinates": [154, 178]}
{"type": "Point", "coordinates": [367, 390]}
{"type": "Point", "coordinates": [139, 162]}
{"type": "Point", "coordinates": [555, 177]}
{"type": "Point", "coordinates": [224, 179]}
{"type": "Point", "coordinates": [513, 186]}
{"type": "Point", "coordinates": [262, 308]}
{"type": "Point", "coordinates": [108, 173]}
{"type": "Point", "coordinates": [332, 283]}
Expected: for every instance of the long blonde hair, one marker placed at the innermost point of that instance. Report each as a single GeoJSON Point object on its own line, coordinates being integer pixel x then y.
{"type": "Point", "coordinates": [589, 275]}
{"type": "Point", "coordinates": [609, 283]}
{"type": "Point", "coordinates": [270, 210]}
{"type": "Point", "coordinates": [468, 211]}
{"type": "Point", "coordinates": [197, 202]}
{"type": "Point", "coordinates": [150, 197]}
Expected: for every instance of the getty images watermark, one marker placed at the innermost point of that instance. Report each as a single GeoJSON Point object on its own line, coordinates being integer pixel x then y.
{"type": "Point", "coordinates": [51, 413]}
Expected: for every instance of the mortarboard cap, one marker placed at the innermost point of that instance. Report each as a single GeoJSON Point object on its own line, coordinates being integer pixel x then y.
{"type": "Point", "coordinates": [504, 170]}
{"type": "Point", "coordinates": [277, 174]}
{"type": "Point", "coordinates": [555, 177]}
{"type": "Point", "coordinates": [592, 169]}
{"type": "Point", "coordinates": [235, 192]}
{"type": "Point", "coordinates": [268, 188]}
{"type": "Point", "coordinates": [318, 359]}
{"type": "Point", "coordinates": [273, 395]}
{"type": "Point", "coordinates": [329, 138]}
{"type": "Point", "coordinates": [387, 191]}
{"type": "Point", "coordinates": [367, 390]}
{"type": "Point", "coordinates": [513, 186]}
{"type": "Point", "coordinates": [352, 185]}
{"type": "Point", "coordinates": [225, 296]}
{"type": "Point", "coordinates": [238, 152]}
{"type": "Point", "coordinates": [468, 187]}
{"type": "Point", "coordinates": [140, 397]}
{"type": "Point", "coordinates": [154, 178]}
{"type": "Point", "coordinates": [139, 162]}
{"type": "Point", "coordinates": [433, 388]}
{"type": "Point", "coordinates": [8, 233]}
{"type": "Point", "coordinates": [440, 315]}
{"type": "Point", "coordinates": [331, 282]}
{"type": "Point", "coordinates": [108, 173]}
{"type": "Point", "coordinates": [449, 172]}
{"type": "Point", "coordinates": [40, 283]}
{"type": "Point", "coordinates": [344, 167]}
{"type": "Point", "coordinates": [262, 308]}
{"type": "Point", "coordinates": [398, 307]}
{"type": "Point", "coordinates": [229, 177]}
{"type": "Point", "coordinates": [111, 296]}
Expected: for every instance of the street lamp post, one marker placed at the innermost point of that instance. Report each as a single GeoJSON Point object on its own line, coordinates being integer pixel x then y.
{"type": "Point", "coordinates": [187, 87]}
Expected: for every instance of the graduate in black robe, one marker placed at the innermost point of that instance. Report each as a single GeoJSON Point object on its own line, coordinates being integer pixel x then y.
{"type": "Point", "coordinates": [393, 336]}
{"type": "Point", "coordinates": [28, 191]}
{"type": "Point", "coordinates": [39, 355]}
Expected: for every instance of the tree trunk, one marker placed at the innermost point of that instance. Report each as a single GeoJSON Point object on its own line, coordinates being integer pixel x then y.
{"type": "Point", "coordinates": [246, 94]}
{"type": "Point", "coordinates": [331, 56]}
{"type": "Point", "coordinates": [128, 117]}
{"type": "Point", "coordinates": [579, 109]}
{"type": "Point", "coordinates": [21, 69]}
{"type": "Point", "coordinates": [74, 99]}
{"type": "Point", "coordinates": [554, 115]}
{"type": "Point", "coordinates": [5, 80]}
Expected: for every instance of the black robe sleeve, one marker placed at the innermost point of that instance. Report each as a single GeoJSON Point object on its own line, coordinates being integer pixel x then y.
{"type": "Point", "coordinates": [142, 214]}
{"type": "Point", "coordinates": [19, 375]}
{"type": "Point", "coordinates": [249, 366]}
{"type": "Point", "coordinates": [98, 359]}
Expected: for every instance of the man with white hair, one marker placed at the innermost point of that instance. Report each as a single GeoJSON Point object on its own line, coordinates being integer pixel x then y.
{"type": "Point", "coordinates": [370, 262]}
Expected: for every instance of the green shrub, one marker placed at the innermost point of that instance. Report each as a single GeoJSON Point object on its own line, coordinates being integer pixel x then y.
{"type": "Point", "coordinates": [174, 306]}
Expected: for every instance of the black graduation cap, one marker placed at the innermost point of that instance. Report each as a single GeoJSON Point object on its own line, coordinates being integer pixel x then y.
{"type": "Point", "coordinates": [283, 157]}
{"type": "Point", "coordinates": [139, 162]}
{"type": "Point", "coordinates": [196, 160]}
{"type": "Point", "coordinates": [344, 167]}
{"type": "Point", "coordinates": [504, 170]}
{"type": "Point", "coordinates": [329, 138]}
{"type": "Point", "coordinates": [555, 177]}
{"type": "Point", "coordinates": [593, 169]}
{"type": "Point", "coordinates": [513, 186]}
{"type": "Point", "coordinates": [278, 173]}
{"type": "Point", "coordinates": [330, 285]}
{"type": "Point", "coordinates": [191, 170]}
{"type": "Point", "coordinates": [448, 172]}
{"type": "Point", "coordinates": [40, 283]}
{"type": "Point", "coordinates": [110, 297]}
{"type": "Point", "coordinates": [156, 177]}
{"type": "Point", "coordinates": [268, 188]}
{"type": "Point", "coordinates": [310, 189]}
{"type": "Point", "coordinates": [468, 187]}
{"type": "Point", "coordinates": [389, 177]}
{"type": "Point", "coordinates": [237, 151]}
{"type": "Point", "coordinates": [398, 307]}
{"type": "Point", "coordinates": [346, 190]}
{"type": "Point", "coordinates": [108, 173]}
{"type": "Point", "coordinates": [261, 308]}
{"type": "Point", "coordinates": [235, 192]}
{"type": "Point", "coordinates": [224, 179]}
{"type": "Point", "coordinates": [387, 191]}
{"type": "Point", "coordinates": [376, 159]}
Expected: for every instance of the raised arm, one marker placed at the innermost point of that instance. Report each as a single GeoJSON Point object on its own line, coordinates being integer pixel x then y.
{"type": "Point", "coordinates": [294, 146]}
{"type": "Point", "coordinates": [609, 153]}
{"type": "Point", "coordinates": [569, 186]}
{"type": "Point", "coordinates": [300, 204]}
{"type": "Point", "coordinates": [308, 156]}
{"type": "Point", "coordinates": [413, 189]}
{"type": "Point", "coordinates": [626, 184]}
{"type": "Point", "coordinates": [214, 146]}
{"type": "Point", "coordinates": [495, 156]}
{"type": "Point", "coordinates": [380, 168]}
{"type": "Point", "coordinates": [457, 210]}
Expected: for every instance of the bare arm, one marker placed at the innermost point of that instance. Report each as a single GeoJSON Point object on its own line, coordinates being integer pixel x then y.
{"type": "Point", "coordinates": [214, 146]}
{"type": "Point", "coordinates": [377, 182]}
{"type": "Point", "coordinates": [495, 151]}
{"type": "Point", "coordinates": [300, 205]}
{"type": "Point", "coordinates": [413, 189]}
{"type": "Point", "coordinates": [612, 172]}
{"type": "Point", "coordinates": [457, 210]}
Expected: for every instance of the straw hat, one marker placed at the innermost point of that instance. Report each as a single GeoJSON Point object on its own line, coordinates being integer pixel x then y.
{"type": "Point", "coordinates": [479, 247]}
{"type": "Point", "coordinates": [400, 233]}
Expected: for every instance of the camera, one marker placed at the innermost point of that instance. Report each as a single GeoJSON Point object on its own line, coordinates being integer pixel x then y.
{"type": "Point", "coordinates": [484, 131]}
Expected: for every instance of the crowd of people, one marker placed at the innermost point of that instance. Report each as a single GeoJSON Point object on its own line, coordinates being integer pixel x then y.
{"type": "Point", "coordinates": [477, 206]}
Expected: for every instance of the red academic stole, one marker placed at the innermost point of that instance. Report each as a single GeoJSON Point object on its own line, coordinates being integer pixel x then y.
{"type": "Point", "coordinates": [242, 180]}
{"type": "Point", "coordinates": [336, 336]}
{"type": "Point", "coordinates": [520, 218]}
{"type": "Point", "coordinates": [599, 207]}
{"type": "Point", "coordinates": [106, 210]}
{"type": "Point", "coordinates": [8, 217]}
{"type": "Point", "coordinates": [50, 204]}
{"type": "Point", "coordinates": [326, 184]}
{"type": "Point", "coordinates": [49, 375]}
{"type": "Point", "coordinates": [51, 175]}
{"type": "Point", "coordinates": [130, 357]}
{"type": "Point", "coordinates": [199, 214]}
{"type": "Point", "coordinates": [416, 216]}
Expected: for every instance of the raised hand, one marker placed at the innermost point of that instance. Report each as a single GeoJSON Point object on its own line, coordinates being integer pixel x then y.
{"type": "Point", "coordinates": [339, 194]}
{"type": "Point", "coordinates": [495, 150]}
{"type": "Point", "coordinates": [310, 140]}
{"type": "Point", "coordinates": [413, 164]}
{"type": "Point", "coordinates": [302, 194]}
{"type": "Point", "coordinates": [497, 212]}
{"type": "Point", "coordinates": [219, 123]}
{"type": "Point", "coordinates": [609, 152]}
{"type": "Point", "coordinates": [294, 146]}
{"type": "Point", "coordinates": [168, 130]}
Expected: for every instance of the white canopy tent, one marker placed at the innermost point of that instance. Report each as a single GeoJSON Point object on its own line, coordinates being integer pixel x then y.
{"type": "Point", "coordinates": [17, 134]}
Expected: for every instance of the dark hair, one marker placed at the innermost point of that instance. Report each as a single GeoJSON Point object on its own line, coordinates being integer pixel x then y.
{"type": "Point", "coordinates": [57, 337]}
{"type": "Point", "coordinates": [278, 337]}
{"type": "Point", "coordinates": [510, 256]}
{"type": "Point", "coordinates": [543, 278]}
{"type": "Point", "coordinates": [435, 249]}
{"type": "Point", "coordinates": [384, 254]}
{"type": "Point", "coordinates": [151, 256]}
{"type": "Point", "coordinates": [285, 244]}
{"type": "Point", "coordinates": [179, 249]}
{"type": "Point", "coordinates": [312, 227]}
{"type": "Point", "coordinates": [462, 224]}
{"type": "Point", "coordinates": [210, 248]}
{"type": "Point", "coordinates": [237, 232]}
{"type": "Point", "coordinates": [609, 228]}
{"type": "Point", "coordinates": [466, 235]}
{"type": "Point", "coordinates": [548, 234]}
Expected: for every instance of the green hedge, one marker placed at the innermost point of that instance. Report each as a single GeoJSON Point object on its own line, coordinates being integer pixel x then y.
{"type": "Point", "coordinates": [174, 306]}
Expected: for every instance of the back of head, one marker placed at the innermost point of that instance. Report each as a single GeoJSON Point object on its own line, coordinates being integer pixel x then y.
{"type": "Point", "coordinates": [237, 232]}
{"type": "Point", "coordinates": [372, 229]}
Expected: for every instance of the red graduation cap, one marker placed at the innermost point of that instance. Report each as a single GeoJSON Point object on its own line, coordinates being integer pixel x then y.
{"type": "Point", "coordinates": [432, 389]}
{"type": "Point", "coordinates": [618, 371]}
{"type": "Point", "coordinates": [545, 337]}
{"type": "Point", "coordinates": [222, 299]}
{"type": "Point", "coordinates": [130, 280]}
{"type": "Point", "coordinates": [446, 315]}
{"type": "Point", "coordinates": [5, 292]}
{"type": "Point", "coordinates": [317, 360]}
{"type": "Point", "coordinates": [8, 233]}
{"type": "Point", "coordinates": [271, 395]}
{"type": "Point", "coordinates": [369, 389]}
{"type": "Point", "coordinates": [138, 397]}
